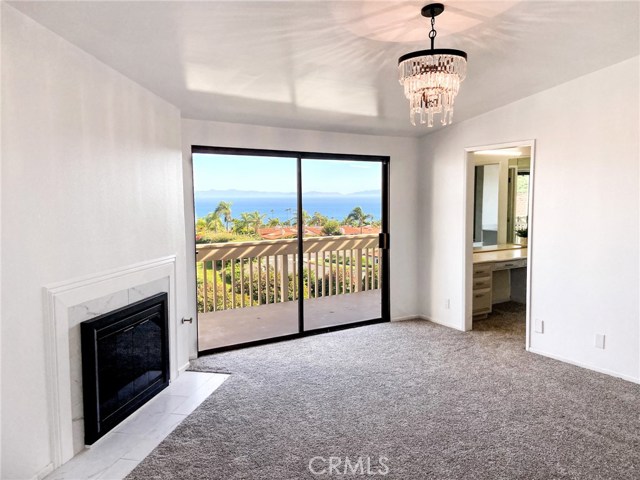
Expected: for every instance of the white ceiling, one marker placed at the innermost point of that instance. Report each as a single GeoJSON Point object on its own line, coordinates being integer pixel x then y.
{"type": "Point", "coordinates": [331, 65]}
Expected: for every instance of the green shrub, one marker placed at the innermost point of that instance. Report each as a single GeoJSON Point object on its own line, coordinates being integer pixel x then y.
{"type": "Point", "coordinates": [224, 237]}
{"type": "Point", "coordinates": [331, 227]}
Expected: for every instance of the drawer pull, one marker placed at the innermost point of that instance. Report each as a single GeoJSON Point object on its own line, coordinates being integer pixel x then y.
{"type": "Point", "coordinates": [479, 295]}
{"type": "Point", "coordinates": [509, 264]}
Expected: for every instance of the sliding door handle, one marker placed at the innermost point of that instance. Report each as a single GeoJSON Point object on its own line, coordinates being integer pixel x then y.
{"type": "Point", "coordinates": [383, 241]}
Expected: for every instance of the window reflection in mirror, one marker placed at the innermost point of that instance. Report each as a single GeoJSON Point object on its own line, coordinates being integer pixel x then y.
{"type": "Point", "coordinates": [518, 198]}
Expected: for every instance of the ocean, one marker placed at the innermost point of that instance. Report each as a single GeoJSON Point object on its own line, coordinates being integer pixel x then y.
{"type": "Point", "coordinates": [284, 208]}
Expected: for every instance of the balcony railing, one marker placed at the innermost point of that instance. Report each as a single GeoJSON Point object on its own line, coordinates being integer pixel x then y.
{"type": "Point", "coordinates": [247, 274]}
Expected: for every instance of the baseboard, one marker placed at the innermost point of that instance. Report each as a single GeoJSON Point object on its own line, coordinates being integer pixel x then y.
{"type": "Point", "coordinates": [183, 368]}
{"type": "Point", "coordinates": [585, 365]}
{"type": "Point", "coordinates": [428, 319]}
{"type": "Point", "coordinates": [405, 317]}
{"type": "Point", "coordinates": [448, 325]}
{"type": "Point", "coordinates": [44, 472]}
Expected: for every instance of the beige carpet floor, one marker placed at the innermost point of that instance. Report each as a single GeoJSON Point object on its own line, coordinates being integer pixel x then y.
{"type": "Point", "coordinates": [415, 400]}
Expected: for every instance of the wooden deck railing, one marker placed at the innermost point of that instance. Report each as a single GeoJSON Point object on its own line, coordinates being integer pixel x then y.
{"type": "Point", "coordinates": [246, 274]}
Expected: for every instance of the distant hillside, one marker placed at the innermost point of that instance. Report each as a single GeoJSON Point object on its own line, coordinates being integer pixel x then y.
{"type": "Point", "coordinates": [234, 193]}
{"type": "Point", "coordinates": [366, 193]}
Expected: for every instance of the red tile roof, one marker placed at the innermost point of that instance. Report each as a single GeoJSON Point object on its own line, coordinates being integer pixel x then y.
{"type": "Point", "coordinates": [276, 233]}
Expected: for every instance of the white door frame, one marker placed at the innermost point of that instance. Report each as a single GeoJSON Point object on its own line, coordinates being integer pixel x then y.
{"type": "Point", "coordinates": [467, 253]}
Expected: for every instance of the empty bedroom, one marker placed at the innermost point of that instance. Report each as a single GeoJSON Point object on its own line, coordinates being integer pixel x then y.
{"type": "Point", "coordinates": [306, 240]}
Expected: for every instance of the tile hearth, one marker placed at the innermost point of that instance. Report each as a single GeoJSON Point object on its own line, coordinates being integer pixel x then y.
{"type": "Point", "coordinates": [117, 453]}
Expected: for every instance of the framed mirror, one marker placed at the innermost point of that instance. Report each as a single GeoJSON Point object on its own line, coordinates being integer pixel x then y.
{"type": "Point", "coordinates": [501, 197]}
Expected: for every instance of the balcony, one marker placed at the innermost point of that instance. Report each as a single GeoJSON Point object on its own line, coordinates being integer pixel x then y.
{"type": "Point", "coordinates": [248, 291]}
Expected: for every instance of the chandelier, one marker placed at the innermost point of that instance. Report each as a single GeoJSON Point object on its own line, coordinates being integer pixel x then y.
{"type": "Point", "coordinates": [431, 78]}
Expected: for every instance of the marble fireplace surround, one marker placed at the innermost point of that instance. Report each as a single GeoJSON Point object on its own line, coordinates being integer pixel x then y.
{"type": "Point", "coordinates": [67, 304]}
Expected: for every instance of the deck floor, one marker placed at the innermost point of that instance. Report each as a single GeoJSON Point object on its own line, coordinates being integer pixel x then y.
{"type": "Point", "coordinates": [231, 327]}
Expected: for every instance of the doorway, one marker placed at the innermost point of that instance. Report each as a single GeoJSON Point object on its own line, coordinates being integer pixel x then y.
{"type": "Point", "coordinates": [499, 220]}
{"type": "Point", "coordinates": [288, 244]}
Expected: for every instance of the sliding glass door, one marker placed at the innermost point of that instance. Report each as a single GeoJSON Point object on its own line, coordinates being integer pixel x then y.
{"type": "Point", "coordinates": [342, 261]}
{"type": "Point", "coordinates": [287, 243]}
{"type": "Point", "coordinates": [245, 210]}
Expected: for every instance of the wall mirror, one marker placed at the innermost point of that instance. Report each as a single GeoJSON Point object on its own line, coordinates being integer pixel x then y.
{"type": "Point", "coordinates": [501, 197]}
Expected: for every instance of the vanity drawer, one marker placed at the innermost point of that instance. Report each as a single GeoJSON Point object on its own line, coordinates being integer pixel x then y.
{"type": "Point", "coordinates": [506, 265]}
{"type": "Point", "coordinates": [482, 301]}
{"type": "Point", "coordinates": [481, 269]}
{"type": "Point", "coordinates": [481, 283]}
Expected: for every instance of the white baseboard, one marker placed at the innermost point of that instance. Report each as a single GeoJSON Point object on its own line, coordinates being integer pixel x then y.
{"type": "Point", "coordinates": [444, 324]}
{"type": "Point", "coordinates": [183, 368]}
{"type": "Point", "coordinates": [585, 365]}
{"type": "Point", "coordinates": [405, 317]}
{"type": "Point", "coordinates": [44, 472]}
{"type": "Point", "coordinates": [428, 319]}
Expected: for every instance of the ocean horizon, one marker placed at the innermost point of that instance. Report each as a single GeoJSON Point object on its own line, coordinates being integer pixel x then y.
{"type": "Point", "coordinates": [284, 207]}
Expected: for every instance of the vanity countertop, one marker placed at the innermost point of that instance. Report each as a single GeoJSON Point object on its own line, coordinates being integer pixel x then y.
{"type": "Point", "coordinates": [499, 255]}
{"type": "Point", "coordinates": [495, 248]}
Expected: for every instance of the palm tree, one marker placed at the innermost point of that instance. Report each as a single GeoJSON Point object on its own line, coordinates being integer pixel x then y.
{"type": "Point", "coordinates": [224, 209]}
{"type": "Point", "coordinates": [242, 224]}
{"type": "Point", "coordinates": [318, 220]}
{"type": "Point", "coordinates": [256, 219]}
{"type": "Point", "coordinates": [305, 218]}
{"type": "Point", "coordinates": [274, 222]}
{"type": "Point", "coordinates": [211, 222]}
{"type": "Point", "coordinates": [358, 217]}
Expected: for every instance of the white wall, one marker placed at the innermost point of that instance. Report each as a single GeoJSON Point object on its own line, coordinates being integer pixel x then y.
{"type": "Point", "coordinates": [1, 15]}
{"type": "Point", "coordinates": [1, 383]}
{"type": "Point", "coordinates": [403, 171]}
{"type": "Point", "coordinates": [91, 181]}
{"type": "Point", "coordinates": [586, 179]}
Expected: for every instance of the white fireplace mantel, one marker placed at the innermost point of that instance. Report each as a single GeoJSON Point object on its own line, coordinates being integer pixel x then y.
{"type": "Point", "coordinates": [60, 299]}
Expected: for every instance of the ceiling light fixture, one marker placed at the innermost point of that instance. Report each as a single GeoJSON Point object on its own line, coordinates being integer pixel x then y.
{"type": "Point", "coordinates": [431, 78]}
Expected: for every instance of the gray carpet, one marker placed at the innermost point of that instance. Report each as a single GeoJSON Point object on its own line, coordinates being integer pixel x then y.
{"type": "Point", "coordinates": [437, 403]}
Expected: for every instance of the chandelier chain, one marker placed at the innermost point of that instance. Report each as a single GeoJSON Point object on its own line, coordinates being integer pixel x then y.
{"type": "Point", "coordinates": [433, 33]}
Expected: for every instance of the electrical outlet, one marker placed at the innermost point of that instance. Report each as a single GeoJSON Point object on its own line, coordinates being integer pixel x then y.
{"type": "Point", "coordinates": [447, 303]}
{"type": "Point", "coordinates": [600, 340]}
{"type": "Point", "coordinates": [539, 326]}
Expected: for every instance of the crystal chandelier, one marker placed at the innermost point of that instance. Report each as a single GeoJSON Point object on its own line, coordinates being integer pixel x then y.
{"type": "Point", "coordinates": [431, 78]}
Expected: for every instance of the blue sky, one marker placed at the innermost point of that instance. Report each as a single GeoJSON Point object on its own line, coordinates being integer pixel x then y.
{"type": "Point", "coordinates": [273, 174]}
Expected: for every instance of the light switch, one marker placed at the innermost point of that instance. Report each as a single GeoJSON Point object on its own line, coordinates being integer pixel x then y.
{"type": "Point", "coordinates": [538, 326]}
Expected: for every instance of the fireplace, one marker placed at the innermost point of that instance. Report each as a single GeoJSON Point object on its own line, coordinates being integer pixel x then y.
{"type": "Point", "coordinates": [125, 362]}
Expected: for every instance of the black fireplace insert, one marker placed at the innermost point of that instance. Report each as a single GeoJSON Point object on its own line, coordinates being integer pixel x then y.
{"type": "Point", "coordinates": [125, 362]}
